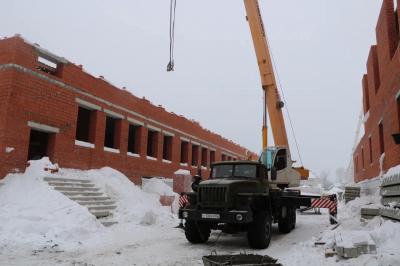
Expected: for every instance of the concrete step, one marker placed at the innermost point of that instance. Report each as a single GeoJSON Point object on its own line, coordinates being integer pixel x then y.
{"type": "Point", "coordinates": [85, 193]}
{"type": "Point", "coordinates": [101, 214]}
{"type": "Point", "coordinates": [70, 184]}
{"type": "Point", "coordinates": [96, 203]}
{"type": "Point", "coordinates": [87, 189]}
{"type": "Point", "coordinates": [108, 223]}
{"type": "Point", "coordinates": [81, 193]}
{"type": "Point", "coordinates": [89, 198]}
{"type": "Point", "coordinates": [56, 179]}
{"type": "Point", "coordinates": [352, 188]}
{"type": "Point", "coordinates": [101, 208]}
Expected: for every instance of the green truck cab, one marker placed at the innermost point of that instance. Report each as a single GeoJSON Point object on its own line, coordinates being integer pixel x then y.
{"type": "Point", "coordinates": [239, 197]}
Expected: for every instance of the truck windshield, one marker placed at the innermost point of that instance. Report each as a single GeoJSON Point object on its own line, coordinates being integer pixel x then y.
{"type": "Point", "coordinates": [234, 170]}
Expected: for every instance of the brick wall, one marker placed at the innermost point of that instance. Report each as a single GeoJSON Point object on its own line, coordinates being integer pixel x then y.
{"type": "Point", "coordinates": [381, 87]}
{"type": "Point", "coordinates": [51, 100]}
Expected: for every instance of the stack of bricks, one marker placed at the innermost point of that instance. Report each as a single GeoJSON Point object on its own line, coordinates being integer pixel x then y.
{"type": "Point", "coordinates": [351, 193]}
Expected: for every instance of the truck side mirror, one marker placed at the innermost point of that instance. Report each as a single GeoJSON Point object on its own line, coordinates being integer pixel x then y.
{"type": "Point", "coordinates": [195, 186]}
{"type": "Point", "coordinates": [196, 182]}
{"type": "Point", "coordinates": [273, 173]}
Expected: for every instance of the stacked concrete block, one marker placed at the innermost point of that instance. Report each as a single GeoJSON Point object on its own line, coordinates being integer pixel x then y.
{"type": "Point", "coordinates": [351, 193]}
{"type": "Point", "coordinates": [351, 244]}
{"type": "Point", "coordinates": [390, 190]}
{"type": "Point", "coordinates": [182, 182]}
{"type": "Point", "coordinates": [390, 213]}
{"type": "Point", "coordinates": [369, 212]}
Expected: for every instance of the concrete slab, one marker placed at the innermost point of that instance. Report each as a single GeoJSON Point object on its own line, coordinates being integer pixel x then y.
{"type": "Point", "coordinates": [374, 211]}
{"type": "Point", "coordinates": [391, 180]}
{"type": "Point", "coordinates": [391, 213]}
{"type": "Point", "coordinates": [390, 191]}
{"type": "Point", "coordinates": [351, 244]}
{"type": "Point", "coordinates": [391, 201]}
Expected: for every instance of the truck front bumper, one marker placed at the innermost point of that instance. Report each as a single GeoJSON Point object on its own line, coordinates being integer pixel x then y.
{"type": "Point", "coordinates": [233, 216]}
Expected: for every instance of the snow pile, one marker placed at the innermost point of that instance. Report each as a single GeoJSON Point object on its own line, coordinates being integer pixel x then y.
{"type": "Point", "coordinates": [335, 190]}
{"type": "Point", "coordinates": [158, 187]}
{"type": "Point", "coordinates": [307, 190]}
{"type": "Point", "coordinates": [352, 210]}
{"type": "Point", "coordinates": [35, 216]}
{"type": "Point", "coordinates": [32, 214]}
{"type": "Point", "coordinates": [133, 204]}
{"type": "Point", "coordinates": [394, 170]}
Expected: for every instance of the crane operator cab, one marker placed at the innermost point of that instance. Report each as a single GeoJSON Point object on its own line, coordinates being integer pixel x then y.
{"type": "Point", "coordinates": [279, 164]}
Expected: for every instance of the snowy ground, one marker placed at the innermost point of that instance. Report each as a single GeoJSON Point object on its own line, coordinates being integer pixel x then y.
{"type": "Point", "coordinates": [165, 245]}
{"type": "Point", "coordinates": [39, 226]}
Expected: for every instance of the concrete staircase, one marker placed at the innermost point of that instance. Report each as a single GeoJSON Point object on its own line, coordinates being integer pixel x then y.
{"type": "Point", "coordinates": [85, 193]}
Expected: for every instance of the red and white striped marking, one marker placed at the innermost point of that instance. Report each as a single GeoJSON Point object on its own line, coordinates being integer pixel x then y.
{"type": "Point", "coordinates": [183, 200]}
{"type": "Point", "coordinates": [324, 202]}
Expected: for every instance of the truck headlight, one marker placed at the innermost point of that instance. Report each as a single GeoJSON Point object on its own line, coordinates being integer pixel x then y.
{"type": "Point", "coordinates": [239, 217]}
{"type": "Point", "coordinates": [185, 214]}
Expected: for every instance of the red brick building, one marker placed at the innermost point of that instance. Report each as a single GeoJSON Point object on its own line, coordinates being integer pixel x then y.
{"type": "Point", "coordinates": [52, 107]}
{"type": "Point", "coordinates": [381, 99]}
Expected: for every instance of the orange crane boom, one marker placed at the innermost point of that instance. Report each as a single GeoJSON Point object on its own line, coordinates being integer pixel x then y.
{"type": "Point", "coordinates": [272, 100]}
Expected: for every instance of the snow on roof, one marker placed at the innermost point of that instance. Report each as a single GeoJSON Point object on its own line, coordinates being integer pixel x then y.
{"type": "Point", "coordinates": [182, 172]}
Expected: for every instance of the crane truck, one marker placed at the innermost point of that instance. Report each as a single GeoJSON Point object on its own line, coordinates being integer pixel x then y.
{"type": "Point", "coordinates": [248, 196]}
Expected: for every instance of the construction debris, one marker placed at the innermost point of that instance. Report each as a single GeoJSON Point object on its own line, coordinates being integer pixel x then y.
{"type": "Point", "coordinates": [390, 190]}
{"type": "Point", "coordinates": [351, 193]}
{"type": "Point", "coordinates": [240, 259]}
{"type": "Point", "coordinates": [351, 244]}
{"type": "Point", "coordinates": [369, 212]}
{"type": "Point", "coordinates": [330, 252]}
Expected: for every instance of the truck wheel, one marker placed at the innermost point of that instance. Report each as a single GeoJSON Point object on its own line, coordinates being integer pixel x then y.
{"type": "Point", "coordinates": [196, 232]}
{"type": "Point", "coordinates": [260, 230]}
{"type": "Point", "coordinates": [287, 220]}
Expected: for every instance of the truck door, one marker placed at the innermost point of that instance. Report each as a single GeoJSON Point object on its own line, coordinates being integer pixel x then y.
{"type": "Point", "coordinates": [281, 164]}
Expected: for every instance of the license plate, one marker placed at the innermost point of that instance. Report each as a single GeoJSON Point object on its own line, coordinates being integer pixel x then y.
{"type": "Point", "coordinates": [210, 216]}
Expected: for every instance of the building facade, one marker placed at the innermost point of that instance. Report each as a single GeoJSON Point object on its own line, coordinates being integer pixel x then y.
{"type": "Point", "coordinates": [52, 107]}
{"type": "Point", "coordinates": [379, 147]}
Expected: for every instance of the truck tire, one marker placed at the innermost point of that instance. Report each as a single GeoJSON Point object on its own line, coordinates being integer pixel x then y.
{"type": "Point", "coordinates": [197, 232]}
{"type": "Point", "coordinates": [259, 231]}
{"type": "Point", "coordinates": [287, 220]}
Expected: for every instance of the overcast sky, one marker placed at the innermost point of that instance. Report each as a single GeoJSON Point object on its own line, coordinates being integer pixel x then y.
{"type": "Point", "coordinates": [320, 47]}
